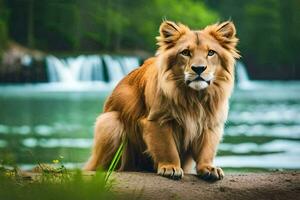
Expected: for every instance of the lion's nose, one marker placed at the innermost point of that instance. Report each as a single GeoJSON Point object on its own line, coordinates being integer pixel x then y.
{"type": "Point", "coordinates": [198, 69]}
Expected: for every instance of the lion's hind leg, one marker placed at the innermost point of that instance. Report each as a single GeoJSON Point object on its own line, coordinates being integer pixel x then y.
{"type": "Point", "coordinates": [108, 136]}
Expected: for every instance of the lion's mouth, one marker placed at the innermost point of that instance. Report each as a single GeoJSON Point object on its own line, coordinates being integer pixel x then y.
{"type": "Point", "coordinates": [199, 78]}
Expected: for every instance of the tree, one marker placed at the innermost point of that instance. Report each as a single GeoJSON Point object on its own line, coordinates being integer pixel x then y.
{"type": "Point", "coordinates": [290, 32]}
{"type": "Point", "coordinates": [76, 25]}
{"type": "Point", "coordinates": [268, 32]}
{"type": "Point", "coordinates": [147, 18]}
{"type": "Point", "coordinates": [3, 26]}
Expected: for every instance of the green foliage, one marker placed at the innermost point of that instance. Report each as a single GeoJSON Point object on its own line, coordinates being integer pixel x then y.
{"type": "Point", "coordinates": [76, 25]}
{"type": "Point", "coordinates": [55, 24]}
{"type": "Point", "coordinates": [268, 29]}
{"type": "Point", "coordinates": [3, 35]}
{"type": "Point", "coordinates": [290, 31]}
{"type": "Point", "coordinates": [103, 23]}
{"type": "Point", "coordinates": [3, 26]}
{"type": "Point", "coordinates": [147, 21]}
{"type": "Point", "coordinates": [268, 32]}
{"type": "Point", "coordinates": [55, 184]}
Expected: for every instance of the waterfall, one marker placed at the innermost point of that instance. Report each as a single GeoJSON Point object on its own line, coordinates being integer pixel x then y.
{"type": "Point", "coordinates": [75, 66]}
{"type": "Point", "coordinates": [129, 63]}
{"type": "Point", "coordinates": [106, 68]}
{"type": "Point", "coordinates": [114, 68]}
{"type": "Point", "coordinates": [243, 80]}
{"type": "Point", "coordinates": [58, 71]}
{"type": "Point", "coordinates": [89, 68]}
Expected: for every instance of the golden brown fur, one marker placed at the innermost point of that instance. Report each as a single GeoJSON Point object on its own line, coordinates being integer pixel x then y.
{"type": "Point", "coordinates": [169, 113]}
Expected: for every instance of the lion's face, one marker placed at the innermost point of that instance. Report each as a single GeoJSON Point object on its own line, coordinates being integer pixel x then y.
{"type": "Point", "coordinates": [195, 57]}
{"type": "Point", "coordinates": [200, 59]}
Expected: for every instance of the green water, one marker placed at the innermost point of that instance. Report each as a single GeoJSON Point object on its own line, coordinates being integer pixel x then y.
{"type": "Point", "coordinates": [39, 125]}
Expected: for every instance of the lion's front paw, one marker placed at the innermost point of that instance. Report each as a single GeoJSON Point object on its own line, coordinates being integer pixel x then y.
{"type": "Point", "coordinates": [170, 171]}
{"type": "Point", "coordinates": [210, 173]}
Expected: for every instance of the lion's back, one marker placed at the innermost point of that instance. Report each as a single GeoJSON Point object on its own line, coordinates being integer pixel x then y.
{"type": "Point", "coordinates": [128, 96]}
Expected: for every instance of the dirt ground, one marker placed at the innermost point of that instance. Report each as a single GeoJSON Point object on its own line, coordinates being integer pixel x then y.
{"type": "Point", "coordinates": [273, 185]}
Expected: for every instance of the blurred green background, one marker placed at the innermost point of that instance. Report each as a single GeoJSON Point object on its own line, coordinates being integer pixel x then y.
{"type": "Point", "coordinates": [268, 29]}
{"type": "Point", "coordinates": [60, 59]}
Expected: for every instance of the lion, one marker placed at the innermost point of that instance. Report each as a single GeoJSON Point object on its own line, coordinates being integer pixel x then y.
{"type": "Point", "coordinates": [171, 111]}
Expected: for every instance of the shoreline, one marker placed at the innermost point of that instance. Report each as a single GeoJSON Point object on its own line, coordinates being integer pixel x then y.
{"type": "Point", "coordinates": [271, 185]}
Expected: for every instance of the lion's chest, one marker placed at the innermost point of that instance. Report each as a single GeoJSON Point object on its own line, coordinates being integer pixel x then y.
{"type": "Point", "coordinates": [189, 124]}
{"type": "Point", "coordinates": [192, 122]}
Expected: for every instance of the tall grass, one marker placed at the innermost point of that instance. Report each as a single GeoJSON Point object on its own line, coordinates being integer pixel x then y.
{"type": "Point", "coordinates": [53, 184]}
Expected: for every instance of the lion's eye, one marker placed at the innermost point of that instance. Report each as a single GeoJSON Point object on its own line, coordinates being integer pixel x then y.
{"type": "Point", "coordinates": [186, 52]}
{"type": "Point", "coordinates": [211, 52]}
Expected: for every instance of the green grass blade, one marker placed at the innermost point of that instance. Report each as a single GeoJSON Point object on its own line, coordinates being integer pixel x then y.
{"type": "Point", "coordinates": [115, 161]}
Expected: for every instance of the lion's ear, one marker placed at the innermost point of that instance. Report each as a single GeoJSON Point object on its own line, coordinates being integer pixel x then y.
{"type": "Point", "coordinates": [225, 34]}
{"type": "Point", "coordinates": [227, 29]}
{"type": "Point", "coordinates": [170, 32]}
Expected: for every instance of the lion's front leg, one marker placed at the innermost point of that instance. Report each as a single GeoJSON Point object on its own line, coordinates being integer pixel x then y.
{"type": "Point", "coordinates": [204, 152]}
{"type": "Point", "coordinates": [161, 146]}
